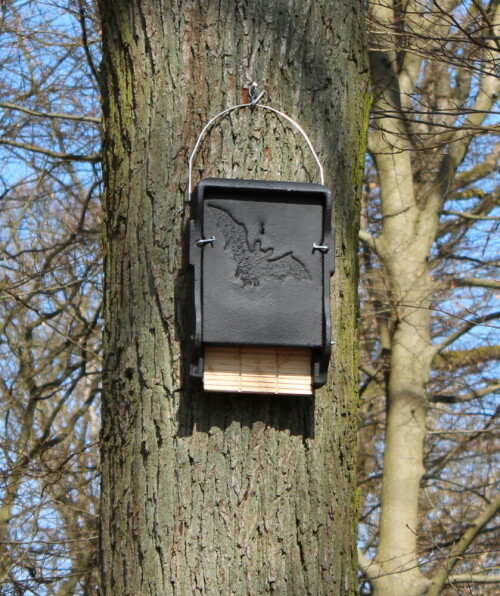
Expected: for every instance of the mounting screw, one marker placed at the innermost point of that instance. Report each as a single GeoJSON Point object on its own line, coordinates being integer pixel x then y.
{"type": "Point", "coordinates": [204, 241]}
{"type": "Point", "coordinates": [322, 248]}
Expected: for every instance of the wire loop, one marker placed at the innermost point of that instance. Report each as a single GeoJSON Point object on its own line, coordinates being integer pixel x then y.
{"type": "Point", "coordinates": [254, 99]}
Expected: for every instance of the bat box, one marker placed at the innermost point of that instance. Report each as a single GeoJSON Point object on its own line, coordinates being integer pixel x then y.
{"type": "Point", "coordinates": [262, 255]}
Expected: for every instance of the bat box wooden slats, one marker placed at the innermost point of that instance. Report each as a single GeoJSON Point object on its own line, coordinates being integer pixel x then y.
{"type": "Point", "coordinates": [261, 254]}
{"type": "Point", "coordinates": [257, 370]}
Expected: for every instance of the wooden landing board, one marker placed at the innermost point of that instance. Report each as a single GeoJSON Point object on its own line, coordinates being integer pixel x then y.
{"type": "Point", "coordinates": [258, 370]}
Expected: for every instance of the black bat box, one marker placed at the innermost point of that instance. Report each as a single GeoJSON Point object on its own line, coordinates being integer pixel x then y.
{"type": "Point", "coordinates": [261, 254]}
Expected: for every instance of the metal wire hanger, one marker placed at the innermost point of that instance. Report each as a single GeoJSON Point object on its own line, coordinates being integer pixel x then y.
{"type": "Point", "coordinates": [255, 96]}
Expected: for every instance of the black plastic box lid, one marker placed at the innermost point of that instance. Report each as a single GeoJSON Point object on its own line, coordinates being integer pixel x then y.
{"type": "Point", "coordinates": [262, 255]}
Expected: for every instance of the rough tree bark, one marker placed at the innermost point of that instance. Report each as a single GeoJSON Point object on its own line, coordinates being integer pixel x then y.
{"type": "Point", "coordinates": [212, 493]}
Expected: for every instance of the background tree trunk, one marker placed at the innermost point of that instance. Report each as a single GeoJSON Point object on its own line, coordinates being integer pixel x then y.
{"type": "Point", "coordinates": [430, 111]}
{"type": "Point", "coordinates": [212, 493]}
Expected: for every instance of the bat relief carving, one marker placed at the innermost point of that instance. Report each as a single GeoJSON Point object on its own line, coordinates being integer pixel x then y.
{"type": "Point", "coordinates": [255, 264]}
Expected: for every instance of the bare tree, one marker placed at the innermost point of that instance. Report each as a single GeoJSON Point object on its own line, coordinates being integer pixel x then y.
{"type": "Point", "coordinates": [428, 269]}
{"type": "Point", "coordinates": [50, 281]}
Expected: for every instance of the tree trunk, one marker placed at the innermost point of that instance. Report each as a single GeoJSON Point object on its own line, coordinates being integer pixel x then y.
{"type": "Point", "coordinates": [403, 247]}
{"type": "Point", "coordinates": [414, 179]}
{"type": "Point", "coordinates": [220, 493]}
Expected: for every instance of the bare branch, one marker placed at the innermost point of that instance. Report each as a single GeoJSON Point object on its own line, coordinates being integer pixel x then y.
{"type": "Point", "coordinates": [476, 282]}
{"type": "Point", "coordinates": [471, 216]}
{"type": "Point", "coordinates": [85, 41]}
{"type": "Point", "coordinates": [370, 569]}
{"type": "Point", "coordinates": [96, 157]}
{"type": "Point", "coordinates": [440, 579]}
{"type": "Point", "coordinates": [464, 329]}
{"type": "Point", "coordinates": [373, 373]}
{"type": "Point", "coordinates": [487, 166]}
{"type": "Point", "coordinates": [368, 239]}
{"type": "Point", "coordinates": [49, 115]}
{"type": "Point", "coordinates": [473, 578]}
{"type": "Point", "coordinates": [489, 89]}
{"type": "Point", "coordinates": [45, 320]}
{"type": "Point", "coordinates": [469, 357]}
{"type": "Point", "coordinates": [475, 394]}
